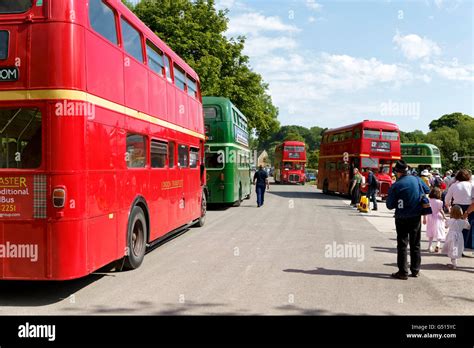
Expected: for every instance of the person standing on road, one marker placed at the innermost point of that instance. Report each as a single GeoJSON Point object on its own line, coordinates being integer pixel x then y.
{"type": "Point", "coordinates": [454, 246]}
{"type": "Point", "coordinates": [461, 193]}
{"type": "Point", "coordinates": [372, 188]}
{"type": "Point", "coordinates": [405, 197]}
{"type": "Point", "coordinates": [355, 188]}
{"type": "Point", "coordinates": [260, 180]}
{"type": "Point", "coordinates": [435, 221]}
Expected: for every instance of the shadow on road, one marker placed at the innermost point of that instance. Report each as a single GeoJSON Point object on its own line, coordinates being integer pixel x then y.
{"type": "Point", "coordinates": [151, 308]}
{"type": "Point", "coordinates": [444, 267]}
{"type": "Point", "coordinates": [295, 310]}
{"type": "Point", "coordinates": [41, 293]}
{"type": "Point", "coordinates": [338, 272]}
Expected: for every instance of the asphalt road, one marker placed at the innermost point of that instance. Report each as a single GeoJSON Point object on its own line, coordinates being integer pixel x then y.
{"type": "Point", "coordinates": [302, 253]}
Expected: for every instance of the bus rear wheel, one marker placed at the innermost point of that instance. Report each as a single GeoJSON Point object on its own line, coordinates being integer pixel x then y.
{"type": "Point", "coordinates": [326, 187]}
{"type": "Point", "coordinates": [136, 239]}
{"type": "Point", "coordinates": [239, 201]}
{"type": "Point", "coordinates": [202, 220]}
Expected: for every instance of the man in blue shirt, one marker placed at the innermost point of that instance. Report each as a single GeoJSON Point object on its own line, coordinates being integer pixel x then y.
{"type": "Point", "coordinates": [405, 197]}
{"type": "Point", "coordinates": [260, 180]}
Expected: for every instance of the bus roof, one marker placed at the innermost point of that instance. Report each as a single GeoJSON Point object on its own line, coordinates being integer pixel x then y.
{"type": "Point", "coordinates": [294, 143]}
{"type": "Point", "coordinates": [135, 21]}
{"type": "Point", "coordinates": [221, 101]}
{"type": "Point", "coordinates": [420, 145]}
{"type": "Point", "coordinates": [365, 124]}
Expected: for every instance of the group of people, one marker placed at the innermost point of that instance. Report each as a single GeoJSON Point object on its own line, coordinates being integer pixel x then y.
{"type": "Point", "coordinates": [358, 182]}
{"type": "Point", "coordinates": [453, 194]}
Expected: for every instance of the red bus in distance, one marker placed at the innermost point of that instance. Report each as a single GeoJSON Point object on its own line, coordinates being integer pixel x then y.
{"type": "Point", "coordinates": [101, 139]}
{"type": "Point", "coordinates": [290, 162]}
{"type": "Point", "coordinates": [365, 145]}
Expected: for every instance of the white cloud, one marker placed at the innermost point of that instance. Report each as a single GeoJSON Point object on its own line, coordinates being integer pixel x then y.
{"type": "Point", "coordinates": [261, 46]}
{"type": "Point", "coordinates": [415, 47]}
{"type": "Point", "coordinates": [451, 71]}
{"type": "Point", "coordinates": [255, 23]}
{"type": "Point", "coordinates": [313, 5]}
{"type": "Point", "coordinates": [298, 84]}
{"type": "Point", "coordinates": [223, 4]}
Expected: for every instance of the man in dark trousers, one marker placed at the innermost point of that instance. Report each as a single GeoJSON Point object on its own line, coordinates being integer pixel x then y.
{"type": "Point", "coordinates": [260, 180]}
{"type": "Point", "coordinates": [372, 188]}
{"type": "Point", "coordinates": [405, 197]}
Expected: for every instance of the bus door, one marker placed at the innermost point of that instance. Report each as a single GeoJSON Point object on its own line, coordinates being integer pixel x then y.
{"type": "Point", "coordinates": [175, 187]}
{"type": "Point", "coordinates": [159, 189]}
{"type": "Point", "coordinates": [182, 183]}
{"type": "Point", "coordinates": [193, 184]}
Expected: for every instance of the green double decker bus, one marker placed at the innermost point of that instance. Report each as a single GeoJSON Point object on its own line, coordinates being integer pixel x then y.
{"type": "Point", "coordinates": [227, 152]}
{"type": "Point", "coordinates": [421, 156]}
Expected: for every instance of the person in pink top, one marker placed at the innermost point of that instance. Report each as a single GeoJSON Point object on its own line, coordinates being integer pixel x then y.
{"type": "Point", "coordinates": [435, 222]}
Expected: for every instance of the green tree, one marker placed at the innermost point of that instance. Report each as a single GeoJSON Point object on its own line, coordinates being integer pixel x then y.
{"type": "Point", "coordinates": [313, 159]}
{"type": "Point", "coordinates": [195, 31]}
{"type": "Point", "coordinates": [294, 136]}
{"type": "Point", "coordinates": [447, 140]}
{"type": "Point", "coordinates": [417, 136]}
{"type": "Point", "coordinates": [449, 120]}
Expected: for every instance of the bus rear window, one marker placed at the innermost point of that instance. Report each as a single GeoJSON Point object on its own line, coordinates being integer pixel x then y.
{"type": "Point", "coordinates": [17, 6]}
{"type": "Point", "coordinates": [387, 135]}
{"type": "Point", "coordinates": [20, 138]}
{"type": "Point", "coordinates": [371, 134]}
{"type": "Point", "coordinates": [210, 112]}
{"type": "Point", "coordinates": [214, 160]}
{"type": "Point", "coordinates": [370, 162]}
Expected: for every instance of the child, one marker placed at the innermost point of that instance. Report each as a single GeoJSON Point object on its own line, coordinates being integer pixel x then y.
{"type": "Point", "coordinates": [435, 221]}
{"type": "Point", "coordinates": [454, 246]}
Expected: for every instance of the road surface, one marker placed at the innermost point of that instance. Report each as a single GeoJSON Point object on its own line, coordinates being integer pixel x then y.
{"type": "Point", "coordinates": [302, 253]}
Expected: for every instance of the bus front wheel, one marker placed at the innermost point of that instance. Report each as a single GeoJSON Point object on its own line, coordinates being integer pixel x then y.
{"type": "Point", "coordinates": [136, 239]}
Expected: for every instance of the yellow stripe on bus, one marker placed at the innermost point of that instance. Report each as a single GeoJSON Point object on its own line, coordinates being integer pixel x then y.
{"type": "Point", "coordinates": [67, 94]}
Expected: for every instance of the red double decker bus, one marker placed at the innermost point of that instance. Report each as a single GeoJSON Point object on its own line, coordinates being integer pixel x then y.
{"type": "Point", "coordinates": [368, 145]}
{"type": "Point", "coordinates": [290, 161]}
{"type": "Point", "coordinates": [101, 139]}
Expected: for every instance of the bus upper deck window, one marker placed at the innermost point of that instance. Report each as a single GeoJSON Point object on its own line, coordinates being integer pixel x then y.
{"type": "Point", "coordinates": [17, 6]}
{"type": "Point", "coordinates": [102, 19]}
{"type": "Point", "coordinates": [371, 134]}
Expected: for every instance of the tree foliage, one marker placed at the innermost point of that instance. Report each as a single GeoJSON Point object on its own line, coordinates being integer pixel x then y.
{"type": "Point", "coordinates": [450, 120]}
{"type": "Point", "coordinates": [310, 136]}
{"type": "Point", "coordinates": [417, 136]}
{"type": "Point", "coordinates": [195, 31]}
{"type": "Point", "coordinates": [454, 135]}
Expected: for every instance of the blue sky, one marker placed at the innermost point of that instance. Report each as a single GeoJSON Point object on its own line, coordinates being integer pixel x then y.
{"type": "Point", "coordinates": [331, 63]}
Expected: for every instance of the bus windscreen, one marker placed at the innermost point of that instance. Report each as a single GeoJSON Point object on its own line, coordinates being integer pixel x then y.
{"type": "Point", "coordinates": [17, 6]}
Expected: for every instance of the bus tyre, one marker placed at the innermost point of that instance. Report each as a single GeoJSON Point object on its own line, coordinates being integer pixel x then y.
{"type": "Point", "coordinates": [202, 220]}
{"type": "Point", "coordinates": [326, 187]}
{"type": "Point", "coordinates": [239, 201]}
{"type": "Point", "coordinates": [136, 239]}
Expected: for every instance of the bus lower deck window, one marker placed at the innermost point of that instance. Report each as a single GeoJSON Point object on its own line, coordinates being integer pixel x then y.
{"type": "Point", "coordinates": [136, 151]}
{"type": "Point", "coordinates": [20, 138]}
{"type": "Point", "coordinates": [183, 156]}
{"type": "Point", "coordinates": [158, 153]}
